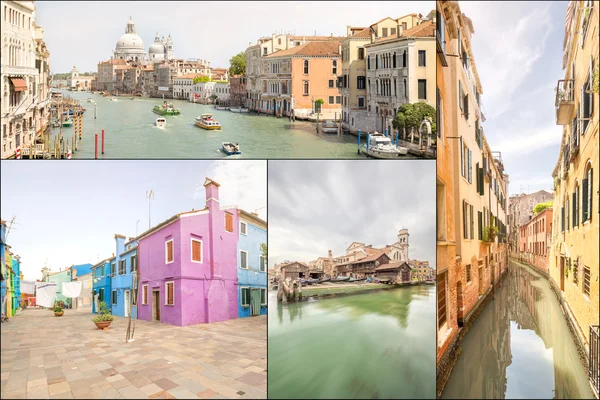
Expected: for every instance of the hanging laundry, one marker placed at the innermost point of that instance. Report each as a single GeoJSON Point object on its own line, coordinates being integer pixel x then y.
{"type": "Point", "coordinates": [71, 289]}
{"type": "Point", "coordinates": [28, 287]}
{"type": "Point", "coordinates": [45, 293]}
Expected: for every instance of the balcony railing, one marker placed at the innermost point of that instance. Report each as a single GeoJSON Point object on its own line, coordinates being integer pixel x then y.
{"type": "Point", "coordinates": [12, 70]}
{"type": "Point", "coordinates": [565, 101]}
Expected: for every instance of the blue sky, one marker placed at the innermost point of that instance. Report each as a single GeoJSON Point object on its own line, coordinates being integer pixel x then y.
{"type": "Point", "coordinates": [518, 52]}
{"type": "Point", "coordinates": [213, 31]}
{"type": "Point", "coordinates": [68, 211]}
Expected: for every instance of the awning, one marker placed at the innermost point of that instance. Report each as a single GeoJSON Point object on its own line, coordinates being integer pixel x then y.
{"type": "Point", "coordinates": [19, 84]}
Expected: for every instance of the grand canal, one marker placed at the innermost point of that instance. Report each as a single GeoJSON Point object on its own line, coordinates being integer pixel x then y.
{"type": "Point", "coordinates": [519, 347]}
{"type": "Point", "coordinates": [374, 345]}
{"type": "Point", "coordinates": [130, 133]}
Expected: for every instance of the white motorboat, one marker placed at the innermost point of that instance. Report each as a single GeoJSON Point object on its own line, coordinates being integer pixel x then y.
{"type": "Point", "coordinates": [221, 108]}
{"type": "Point", "coordinates": [113, 99]}
{"type": "Point", "coordinates": [90, 100]}
{"type": "Point", "coordinates": [382, 147]}
{"type": "Point", "coordinates": [329, 127]}
{"type": "Point", "coordinates": [161, 122]}
{"type": "Point", "coordinates": [230, 148]}
{"type": "Point", "coordinates": [239, 110]}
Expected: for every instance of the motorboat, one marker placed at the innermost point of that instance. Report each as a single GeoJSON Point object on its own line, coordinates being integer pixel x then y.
{"type": "Point", "coordinates": [166, 110]}
{"type": "Point", "coordinates": [239, 110]}
{"type": "Point", "coordinates": [329, 127]}
{"type": "Point", "coordinates": [205, 121]}
{"type": "Point", "coordinates": [113, 99]}
{"type": "Point", "coordinates": [132, 98]}
{"type": "Point", "coordinates": [90, 100]}
{"type": "Point", "coordinates": [221, 108]}
{"type": "Point", "coordinates": [68, 122]}
{"type": "Point", "coordinates": [230, 148]}
{"type": "Point", "coordinates": [381, 146]}
{"type": "Point", "coordinates": [161, 122]}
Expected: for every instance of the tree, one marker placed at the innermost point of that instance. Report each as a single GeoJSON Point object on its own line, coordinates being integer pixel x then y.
{"type": "Point", "coordinates": [238, 64]}
{"type": "Point", "coordinates": [263, 249]}
{"type": "Point", "coordinates": [539, 207]}
{"type": "Point", "coordinates": [410, 116]}
{"type": "Point", "coordinates": [202, 78]}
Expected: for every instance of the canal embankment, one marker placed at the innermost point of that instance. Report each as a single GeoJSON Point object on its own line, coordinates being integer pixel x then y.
{"type": "Point", "coordinates": [347, 289]}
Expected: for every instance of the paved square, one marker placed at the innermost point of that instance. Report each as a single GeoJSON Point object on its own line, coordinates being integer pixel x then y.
{"type": "Point", "coordinates": [43, 356]}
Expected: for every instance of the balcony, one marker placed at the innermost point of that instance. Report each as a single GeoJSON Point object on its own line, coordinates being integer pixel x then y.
{"type": "Point", "coordinates": [564, 102]}
{"type": "Point", "coordinates": [13, 70]}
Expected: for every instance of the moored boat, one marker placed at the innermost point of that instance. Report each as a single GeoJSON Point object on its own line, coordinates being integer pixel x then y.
{"type": "Point", "coordinates": [161, 122]}
{"type": "Point", "coordinates": [340, 279]}
{"type": "Point", "coordinates": [239, 110]}
{"type": "Point", "coordinates": [356, 279]}
{"type": "Point", "coordinates": [166, 110]}
{"type": "Point", "coordinates": [205, 121]}
{"type": "Point", "coordinates": [230, 148]}
{"type": "Point", "coordinates": [90, 100]}
{"type": "Point", "coordinates": [68, 122]}
{"type": "Point", "coordinates": [221, 108]}
{"type": "Point", "coordinates": [324, 280]}
{"type": "Point", "coordinates": [329, 127]}
{"type": "Point", "coordinates": [381, 146]}
{"type": "Point", "coordinates": [113, 99]}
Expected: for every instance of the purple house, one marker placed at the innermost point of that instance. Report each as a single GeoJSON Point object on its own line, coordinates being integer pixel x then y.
{"type": "Point", "coordinates": [187, 266]}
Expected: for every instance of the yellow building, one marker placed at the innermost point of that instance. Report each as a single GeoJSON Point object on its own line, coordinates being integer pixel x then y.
{"type": "Point", "coordinates": [574, 261]}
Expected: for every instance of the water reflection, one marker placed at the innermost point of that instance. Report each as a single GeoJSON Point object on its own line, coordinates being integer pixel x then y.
{"type": "Point", "coordinates": [520, 346]}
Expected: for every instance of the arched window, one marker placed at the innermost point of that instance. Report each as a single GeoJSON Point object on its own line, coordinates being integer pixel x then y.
{"type": "Point", "coordinates": [377, 83]}
{"type": "Point", "coordinates": [587, 193]}
{"type": "Point", "coordinates": [404, 59]}
{"type": "Point", "coordinates": [575, 204]}
{"type": "Point", "coordinates": [405, 88]}
{"type": "Point", "coordinates": [334, 67]}
{"type": "Point", "coordinates": [306, 67]}
{"type": "Point", "coordinates": [368, 62]}
{"type": "Point", "coordinates": [394, 61]}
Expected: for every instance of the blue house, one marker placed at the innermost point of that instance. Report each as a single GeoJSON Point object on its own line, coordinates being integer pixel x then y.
{"type": "Point", "coordinates": [100, 284]}
{"type": "Point", "coordinates": [82, 269]}
{"type": "Point", "coordinates": [251, 265]}
{"type": "Point", "coordinates": [123, 266]}
{"type": "Point", "coordinates": [16, 283]}
{"type": "Point", "coordinates": [3, 268]}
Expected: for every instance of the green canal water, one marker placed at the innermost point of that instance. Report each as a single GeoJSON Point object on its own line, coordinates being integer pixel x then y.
{"type": "Point", "coordinates": [130, 133]}
{"type": "Point", "coordinates": [373, 345]}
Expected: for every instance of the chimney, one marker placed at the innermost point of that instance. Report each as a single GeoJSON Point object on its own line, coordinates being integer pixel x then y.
{"type": "Point", "coordinates": [331, 34]}
{"type": "Point", "coordinates": [212, 194]}
{"type": "Point", "coordinates": [348, 31]}
{"type": "Point", "coordinates": [400, 30]}
{"type": "Point", "coordinates": [372, 36]}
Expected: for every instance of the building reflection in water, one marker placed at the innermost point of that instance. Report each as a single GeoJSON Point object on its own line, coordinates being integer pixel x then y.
{"type": "Point", "coordinates": [520, 346]}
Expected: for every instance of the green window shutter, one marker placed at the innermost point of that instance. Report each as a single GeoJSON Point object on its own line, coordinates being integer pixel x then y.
{"type": "Point", "coordinates": [472, 222]}
{"type": "Point", "coordinates": [480, 224]}
{"type": "Point", "coordinates": [574, 208]}
{"type": "Point", "coordinates": [470, 176]}
{"type": "Point", "coordinates": [460, 95]}
{"type": "Point", "coordinates": [590, 191]}
{"type": "Point", "coordinates": [562, 219]}
{"type": "Point", "coordinates": [462, 157]}
{"type": "Point", "coordinates": [465, 236]}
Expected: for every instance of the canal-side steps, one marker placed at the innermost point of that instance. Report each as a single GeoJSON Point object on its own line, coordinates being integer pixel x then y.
{"type": "Point", "coordinates": [446, 364]}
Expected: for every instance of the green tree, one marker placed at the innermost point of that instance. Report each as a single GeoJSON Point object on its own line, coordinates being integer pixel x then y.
{"type": "Point", "coordinates": [238, 64]}
{"type": "Point", "coordinates": [410, 116]}
{"type": "Point", "coordinates": [539, 207]}
{"type": "Point", "coordinates": [202, 78]}
{"type": "Point", "coordinates": [263, 249]}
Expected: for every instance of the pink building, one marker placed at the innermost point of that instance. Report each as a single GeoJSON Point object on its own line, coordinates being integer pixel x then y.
{"type": "Point", "coordinates": [188, 266]}
{"type": "Point", "coordinates": [536, 239]}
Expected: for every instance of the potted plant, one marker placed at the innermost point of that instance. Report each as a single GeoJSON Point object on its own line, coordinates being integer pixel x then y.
{"type": "Point", "coordinates": [58, 311]}
{"type": "Point", "coordinates": [103, 319]}
{"type": "Point", "coordinates": [489, 233]}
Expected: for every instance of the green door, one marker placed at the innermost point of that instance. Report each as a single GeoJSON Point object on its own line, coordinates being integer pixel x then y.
{"type": "Point", "coordinates": [255, 301]}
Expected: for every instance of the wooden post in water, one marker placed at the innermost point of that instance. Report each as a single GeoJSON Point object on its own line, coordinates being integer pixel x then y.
{"type": "Point", "coordinates": [96, 147]}
{"type": "Point", "coordinates": [358, 152]}
{"type": "Point", "coordinates": [102, 141]}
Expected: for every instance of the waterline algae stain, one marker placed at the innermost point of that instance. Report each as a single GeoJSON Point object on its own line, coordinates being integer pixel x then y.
{"type": "Point", "coordinates": [372, 345]}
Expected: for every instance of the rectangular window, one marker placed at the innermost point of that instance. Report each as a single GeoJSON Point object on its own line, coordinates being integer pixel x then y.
{"type": "Point", "coordinates": [361, 102]}
{"type": "Point", "coordinates": [463, 149]}
{"type": "Point", "coordinates": [170, 293]}
{"type": "Point", "coordinates": [122, 267]}
{"type": "Point", "coordinates": [145, 294]}
{"type": "Point", "coordinates": [384, 32]}
{"type": "Point", "coordinates": [169, 251]}
{"type": "Point", "coordinates": [263, 264]}
{"type": "Point", "coordinates": [422, 58]}
{"type": "Point", "coordinates": [305, 88]}
{"type": "Point", "coordinates": [480, 225]}
{"type": "Point", "coordinates": [133, 263]}
{"type": "Point", "coordinates": [441, 298]}
{"type": "Point", "coordinates": [243, 228]}
{"type": "Point", "coordinates": [470, 166]}
{"type": "Point", "coordinates": [361, 53]}
{"type": "Point", "coordinates": [306, 67]}
{"type": "Point", "coordinates": [113, 270]}
{"type": "Point", "coordinates": [196, 250]}
{"type": "Point", "coordinates": [338, 99]}
{"type": "Point", "coordinates": [464, 215]}
{"type": "Point", "coordinates": [331, 83]}
{"type": "Point", "coordinates": [228, 222]}
{"type": "Point", "coordinates": [243, 259]}
{"type": "Point", "coordinates": [360, 82]}
{"type": "Point", "coordinates": [245, 296]}
{"type": "Point", "coordinates": [468, 270]}
{"type": "Point", "coordinates": [331, 100]}
{"type": "Point", "coordinates": [586, 280]}
{"type": "Point", "coordinates": [422, 89]}
{"type": "Point", "coordinates": [263, 297]}
{"type": "Point", "coordinates": [472, 222]}
{"type": "Point", "coordinates": [114, 297]}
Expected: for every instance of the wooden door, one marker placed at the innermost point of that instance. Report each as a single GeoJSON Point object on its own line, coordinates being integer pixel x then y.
{"type": "Point", "coordinates": [155, 305]}
{"type": "Point", "coordinates": [255, 301]}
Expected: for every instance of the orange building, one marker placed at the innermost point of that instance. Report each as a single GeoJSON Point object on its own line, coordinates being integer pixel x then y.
{"type": "Point", "coordinates": [296, 79]}
{"type": "Point", "coordinates": [536, 240]}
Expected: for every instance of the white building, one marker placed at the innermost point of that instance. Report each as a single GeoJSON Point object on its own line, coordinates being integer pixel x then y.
{"type": "Point", "coordinates": [399, 250]}
{"type": "Point", "coordinates": [130, 46]}
{"type": "Point", "coordinates": [203, 90]}
{"type": "Point", "coordinates": [77, 82]}
{"type": "Point", "coordinates": [25, 77]}
{"type": "Point", "coordinates": [183, 86]}
{"type": "Point", "coordinates": [222, 91]}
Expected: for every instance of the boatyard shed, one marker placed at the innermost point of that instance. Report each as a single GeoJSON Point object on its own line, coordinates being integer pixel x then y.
{"type": "Point", "coordinates": [294, 270]}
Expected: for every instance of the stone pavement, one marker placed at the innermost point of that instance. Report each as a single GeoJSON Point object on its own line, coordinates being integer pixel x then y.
{"type": "Point", "coordinates": [43, 356]}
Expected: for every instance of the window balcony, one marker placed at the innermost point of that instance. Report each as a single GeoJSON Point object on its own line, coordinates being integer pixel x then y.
{"type": "Point", "coordinates": [564, 102]}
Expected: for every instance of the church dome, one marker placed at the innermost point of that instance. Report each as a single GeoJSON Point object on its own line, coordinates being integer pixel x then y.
{"type": "Point", "coordinates": [130, 41]}
{"type": "Point", "coordinates": [157, 48]}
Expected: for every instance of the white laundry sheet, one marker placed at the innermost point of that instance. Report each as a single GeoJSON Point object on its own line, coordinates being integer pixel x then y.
{"type": "Point", "coordinates": [45, 293]}
{"type": "Point", "coordinates": [28, 287]}
{"type": "Point", "coordinates": [71, 289]}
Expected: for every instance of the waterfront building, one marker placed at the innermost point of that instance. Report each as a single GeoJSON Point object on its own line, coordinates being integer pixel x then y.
{"type": "Point", "coordinates": [536, 240]}
{"type": "Point", "coordinates": [363, 267]}
{"type": "Point", "coordinates": [399, 272]}
{"type": "Point", "coordinates": [83, 273]}
{"type": "Point", "coordinates": [107, 74]}
{"type": "Point", "coordinates": [520, 211]}
{"type": "Point", "coordinates": [301, 81]}
{"type": "Point", "coordinates": [472, 186]}
{"type": "Point", "coordinates": [16, 283]}
{"type": "Point", "coordinates": [132, 82]}
{"type": "Point", "coordinates": [294, 270]}
{"type": "Point", "coordinates": [123, 265]}
{"type": "Point", "coordinates": [3, 266]}
{"type": "Point", "coordinates": [8, 294]}
{"type": "Point", "coordinates": [221, 90]}
{"type": "Point", "coordinates": [148, 82]}
{"type": "Point", "coordinates": [101, 285]}
{"type": "Point", "coordinates": [352, 84]}
{"type": "Point", "coordinates": [25, 105]}
{"type": "Point", "coordinates": [130, 47]}
{"type": "Point", "coordinates": [400, 69]}
{"type": "Point", "coordinates": [324, 264]}
{"type": "Point", "coordinates": [183, 86]}
{"type": "Point", "coordinates": [237, 94]}
{"type": "Point", "coordinates": [574, 255]}
{"type": "Point", "coordinates": [219, 74]}
{"type": "Point", "coordinates": [251, 265]}
{"type": "Point", "coordinates": [78, 82]}
{"type": "Point", "coordinates": [203, 91]}
{"type": "Point", "coordinates": [60, 276]}
{"type": "Point", "coordinates": [188, 265]}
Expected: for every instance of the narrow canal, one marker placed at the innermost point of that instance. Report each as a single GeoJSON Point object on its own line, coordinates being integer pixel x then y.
{"type": "Point", "coordinates": [130, 133]}
{"type": "Point", "coordinates": [519, 347]}
{"type": "Point", "coordinates": [374, 345]}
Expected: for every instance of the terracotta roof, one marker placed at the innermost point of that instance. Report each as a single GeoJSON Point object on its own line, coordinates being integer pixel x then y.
{"type": "Point", "coordinates": [294, 262]}
{"type": "Point", "coordinates": [188, 76]}
{"type": "Point", "coordinates": [115, 62]}
{"type": "Point", "coordinates": [316, 38]}
{"type": "Point", "coordinates": [364, 33]}
{"type": "Point", "coordinates": [426, 29]}
{"type": "Point", "coordinates": [393, 265]}
{"type": "Point", "coordinates": [310, 49]}
{"type": "Point", "coordinates": [371, 257]}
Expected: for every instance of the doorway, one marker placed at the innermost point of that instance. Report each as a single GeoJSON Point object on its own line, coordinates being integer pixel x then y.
{"type": "Point", "coordinates": [155, 305]}
{"type": "Point", "coordinates": [126, 304]}
{"type": "Point", "coordinates": [255, 301]}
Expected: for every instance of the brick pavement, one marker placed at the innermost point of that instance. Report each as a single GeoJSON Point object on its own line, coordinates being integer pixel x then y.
{"type": "Point", "coordinates": [43, 356]}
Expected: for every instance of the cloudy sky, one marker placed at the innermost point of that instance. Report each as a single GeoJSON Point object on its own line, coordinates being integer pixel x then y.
{"type": "Point", "coordinates": [210, 30]}
{"type": "Point", "coordinates": [316, 206]}
{"type": "Point", "coordinates": [518, 52]}
{"type": "Point", "coordinates": [73, 219]}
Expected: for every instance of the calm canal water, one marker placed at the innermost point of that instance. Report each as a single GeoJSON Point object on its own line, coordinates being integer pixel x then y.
{"type": "Point", "coordinates": [519, 347]}
{"type": "Point", "coordinates": [130, 133]}
{"type": "Point", "coordinates": [374, 345]}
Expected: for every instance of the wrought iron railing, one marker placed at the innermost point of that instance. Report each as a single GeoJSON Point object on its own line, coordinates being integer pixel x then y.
{"type": "Point", "coordinates": [594, 358]}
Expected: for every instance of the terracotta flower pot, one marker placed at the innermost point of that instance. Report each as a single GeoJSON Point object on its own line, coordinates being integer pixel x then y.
{"type": "Point", "coordinates": [59, 314]}
{"type": "Point", "coordinates": [103, 324]}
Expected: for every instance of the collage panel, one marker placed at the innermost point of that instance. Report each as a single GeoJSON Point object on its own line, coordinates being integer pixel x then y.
{"type": "Point", "coordinates": [517, 200]}
{"type": "Point", "coordinates": [351, 279]}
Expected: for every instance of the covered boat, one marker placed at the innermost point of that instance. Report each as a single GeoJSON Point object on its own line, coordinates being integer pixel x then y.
{"type": "Point", "coordinates": [68, 122]}
{"type": "Point", "coordinates": [329, 127]}
{"type": "Point", "coordinates": [230, 148]}
{"type": "Point", "coordinates": [239, 110]}
{"type": "Point", "coordinates": [340, 279]}
{"type": "Point", "coordinates": [166, 110]}
{"type": "Point", "coordinates": [205, 121]}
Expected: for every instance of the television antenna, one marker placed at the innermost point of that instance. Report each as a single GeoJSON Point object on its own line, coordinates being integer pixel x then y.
{"type": "Point", "coordinates": [10, 226]}
{"type": "Point", "coordinates": [150, 197]}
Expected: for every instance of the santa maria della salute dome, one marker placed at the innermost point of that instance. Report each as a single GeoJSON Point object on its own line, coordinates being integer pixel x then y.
{"type": "Point", "coordinates": [130, 47]}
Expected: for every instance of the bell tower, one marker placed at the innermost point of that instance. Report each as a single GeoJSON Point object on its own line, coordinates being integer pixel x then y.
{"type": "Point", "coordinates": [170, 53]}
{"type": "Point", "coordinates": [403, 243]}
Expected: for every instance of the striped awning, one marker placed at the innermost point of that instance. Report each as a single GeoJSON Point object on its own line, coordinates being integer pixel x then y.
{"type": "Point", "coordinates": [19, 84]}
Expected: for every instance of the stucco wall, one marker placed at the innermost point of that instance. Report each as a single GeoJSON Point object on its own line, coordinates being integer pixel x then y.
{"type": "Point", "coordinates": [251, 277]}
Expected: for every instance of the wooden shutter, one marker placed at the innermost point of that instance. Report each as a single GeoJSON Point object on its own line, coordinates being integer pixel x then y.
{"type": "Point", "coordinates": [590, 191]}
{"type": "Point", "coordinates": [562, 219]}
{"type": "Point", "coordinates": [228, 222]}
{"type": "Point", "coordinates": [170, 293]}
{"type": "Point", "coordinates": [462, 157]}
{"type": "Point", "coordinates": [574, 209]}
{"type": "Point", "coordinates": [460, 95]}
{"type": "Point", "coordinates": [170, 251]}
{"type": "Point", "coordinates": [472, 222]}
{"type": "Point", "coordinates": [480, 224]}
{"type": "Point", "coordinates": [465, 220]}
{"type": "Point", "coordinates": [470, 173]}
{"type": "Point", "coordinates": [145, 294]}
{"type": "Point", "coordinates": [196, 250]}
